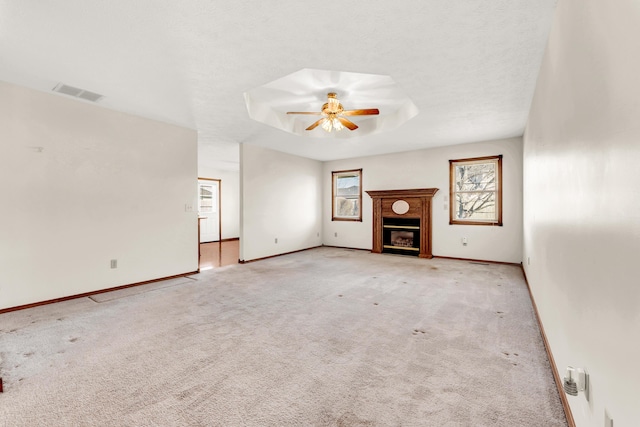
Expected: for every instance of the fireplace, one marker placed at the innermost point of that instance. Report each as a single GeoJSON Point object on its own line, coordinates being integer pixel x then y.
{"type": "Point", "coordinates": [402, 221]}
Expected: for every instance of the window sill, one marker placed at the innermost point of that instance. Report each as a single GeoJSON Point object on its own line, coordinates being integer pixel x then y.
{"type": "Point", "coordinates": [347, 219]}
{"type": "Point", "coordinates": [495, 224]}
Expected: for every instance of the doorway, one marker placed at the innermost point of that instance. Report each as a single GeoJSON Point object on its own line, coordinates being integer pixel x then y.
{"type": "Point", "coordinates": [209, 210]}
{"type": "Point", "coordinates": [219, 254]}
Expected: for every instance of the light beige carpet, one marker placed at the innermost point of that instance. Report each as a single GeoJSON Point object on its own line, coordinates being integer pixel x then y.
{"type": "Point", "coordinates": [325, 337]}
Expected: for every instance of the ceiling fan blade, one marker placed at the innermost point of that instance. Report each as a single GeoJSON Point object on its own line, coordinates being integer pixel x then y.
{"type": "Point", "coordinates": [305, 112]}
{"type": "Point", "coordinates": [315, 125]}
{"type": "Point", "coordinates": [347, 123]}
{"type": "Point", "coordinates": [362, 112]}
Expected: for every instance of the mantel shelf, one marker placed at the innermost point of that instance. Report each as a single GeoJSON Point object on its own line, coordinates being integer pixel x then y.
{"type": "Point", "coordinates": [399, 194]}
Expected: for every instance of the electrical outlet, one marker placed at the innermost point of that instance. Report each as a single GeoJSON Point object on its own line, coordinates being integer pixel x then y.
{"type": "Point", "coordinates": [114, 263]}
{"type": "Point", "coordinates": [318, 234]}
{"type": "Point", "coordinates": [446, 207]}
{"type": "Point", "coordinates": [335, 234]}
{"type": "Point", "coordinates": [276, 240]}
{"type": "Point", "coordinates": [528, 261]}
{"type": "Point", "coordinates": [188, 207]}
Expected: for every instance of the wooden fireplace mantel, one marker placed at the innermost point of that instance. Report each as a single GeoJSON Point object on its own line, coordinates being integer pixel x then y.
{"type": "Point", "coordinates": [419, 201]}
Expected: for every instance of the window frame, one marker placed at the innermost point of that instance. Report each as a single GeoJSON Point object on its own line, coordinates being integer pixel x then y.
{"type": "Point", "coordinates": [334, 179]}
{"type": "Point", "coordinates": [452, 191]}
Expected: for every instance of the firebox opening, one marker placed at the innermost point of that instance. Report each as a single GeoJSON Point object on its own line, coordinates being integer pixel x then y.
{"type": "Point", "coordinates": [401, 236]}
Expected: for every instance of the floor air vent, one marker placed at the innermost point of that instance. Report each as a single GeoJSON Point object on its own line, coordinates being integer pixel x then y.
{"type": "Point", "coordinates": [77, 92]}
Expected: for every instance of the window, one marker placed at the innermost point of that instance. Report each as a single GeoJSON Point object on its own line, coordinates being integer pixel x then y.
{"type": "Point", "coordinates": [346, 195]}
{"type": "Point", "coordinates": [476, 191]}
{"type": "Point", "coordinates": [206, 200]}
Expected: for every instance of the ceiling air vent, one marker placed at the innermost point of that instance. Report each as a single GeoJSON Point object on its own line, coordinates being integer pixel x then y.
{"type": "Point", "coordinates": [77, 92]}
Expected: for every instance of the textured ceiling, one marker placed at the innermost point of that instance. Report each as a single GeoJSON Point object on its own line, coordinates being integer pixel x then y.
{"type": "Point", "coordinates": [470, 66]}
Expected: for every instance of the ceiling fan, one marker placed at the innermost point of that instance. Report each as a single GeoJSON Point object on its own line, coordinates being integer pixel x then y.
{"type": "Point", "coordinates": [333, 112]}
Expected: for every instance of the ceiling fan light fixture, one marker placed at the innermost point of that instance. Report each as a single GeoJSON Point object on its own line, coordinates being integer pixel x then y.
{"type": "Point", "coordinates": [333, 112]}
{"type": "Point", "coordinates": [331, 123]}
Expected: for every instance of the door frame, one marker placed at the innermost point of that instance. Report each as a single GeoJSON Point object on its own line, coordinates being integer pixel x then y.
{"type": "Point", "coordinates": [219, 207]}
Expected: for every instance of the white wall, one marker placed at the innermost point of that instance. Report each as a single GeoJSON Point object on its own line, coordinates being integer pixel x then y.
{"type": "Point", "coordinates": [280, 198]}
{"type": "Point", "coordinates": [430, 169]}
{"type": "Point", "coordinates": [582, 203]}
{"type": "Point", "coordinates": [106, 185]}
{"type": "Point", "coordinates": [230, 199]}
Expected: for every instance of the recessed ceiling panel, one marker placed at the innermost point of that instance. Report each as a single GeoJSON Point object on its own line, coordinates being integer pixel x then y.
{"type": "Point", "coordinates": [306, 91]}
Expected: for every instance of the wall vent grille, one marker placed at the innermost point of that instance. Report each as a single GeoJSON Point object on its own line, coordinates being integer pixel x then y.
{"type": "Point", "coordinates": [77, 92]}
